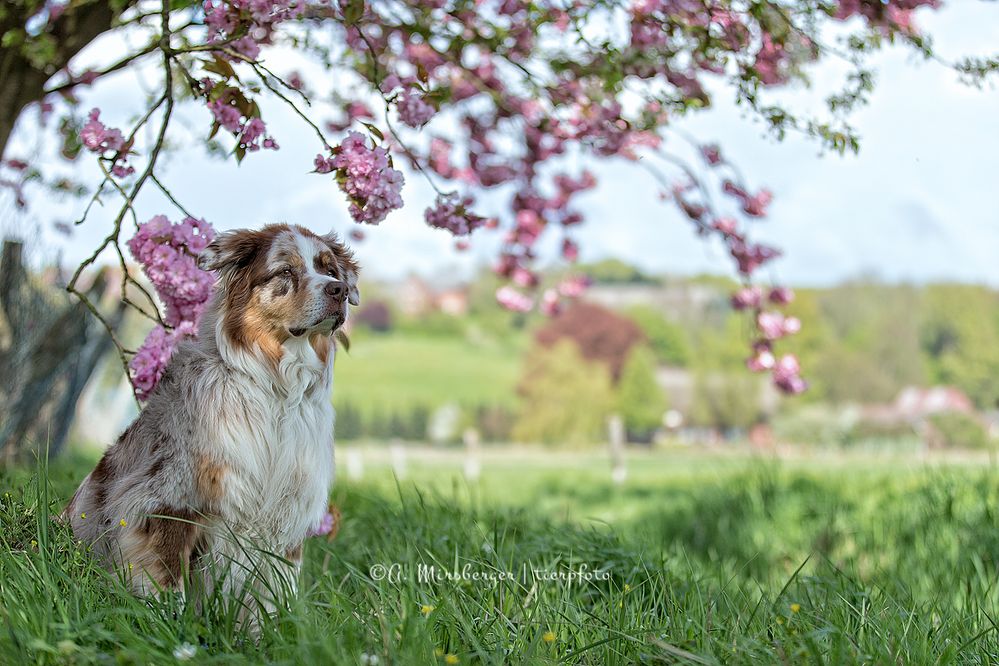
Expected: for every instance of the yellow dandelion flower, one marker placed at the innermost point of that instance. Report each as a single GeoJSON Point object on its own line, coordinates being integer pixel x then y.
{"type": "Point", "coordinates": [122, 522]}
{"type": "Point", "coordinates": [627, 588]}
{"type": "Point", "coordinates": [548, 637]}
{"type": "Point", "coordinates": [129, 566]}
{"type": "Point", "coordinates": [83, 516]}
{"type": "Point", "coordinates": [33, 543]}
{"type": "Point", "coordinates": [426, 609]}
{"type": "Point", "coordinates": [451, 659]}
{"type": "Point", "coordinates": [795, 608]}
{"type": "Point", "coordinates": [438, 652]}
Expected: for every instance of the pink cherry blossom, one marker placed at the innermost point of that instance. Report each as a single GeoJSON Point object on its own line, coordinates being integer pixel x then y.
{"type": "Point", "coordinates": [372, 186]}
{"type": "Point", "coordinates": [781, 295]}
{"type": "Point", "coordinates": [513, 300]}
{"type": "Point", "coordinates": [168, 254]}
{"type": "Point", "coordinates": [711, 154]}
{"type": "Point", "coordinates": [770, 324]}
{"type": "Point", "coordinates": [98, 138]}
{"type": "Point", "coordinates": [786, 374]}
{"type": "Point", "coordinates": [413, 109]}
{"type": "Point", "coordinates": [153, 356]}
{"type": "Point", "coordinates": [550, 303]}
{"type": "Point", "coordinates": [747, 297]}
{"type": "Point", "coordinates": [323, 527]}
{"type": "Point", "coordinates": [451, 212]}
{"type": "Point", "coordinates": [573, 287]}
{"type": "Point", "coordinates": [762, 359]}
{"type": "Point", "coordinates": [570, 250]}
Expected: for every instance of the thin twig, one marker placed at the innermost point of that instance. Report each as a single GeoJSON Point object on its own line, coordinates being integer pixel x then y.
{"type": "Point", "coordinates": [113, 237]}
{"type": "Point", "coordinates": [170, 196]}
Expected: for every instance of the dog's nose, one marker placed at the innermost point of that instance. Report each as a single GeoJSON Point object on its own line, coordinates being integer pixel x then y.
{"type": "Point", "coordinates": [336, 289]}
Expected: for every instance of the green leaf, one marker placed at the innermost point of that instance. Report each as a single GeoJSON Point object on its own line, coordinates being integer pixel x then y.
{"type": "Point", "coordinates": [374, 131]}
{"type": "Point", "coordinates": [219, 66]}
{"type": "Point", "coordinates": [353, 10]}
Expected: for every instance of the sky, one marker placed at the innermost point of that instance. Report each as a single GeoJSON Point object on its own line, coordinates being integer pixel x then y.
{"type": "Point", "coordinates": [918, 204]}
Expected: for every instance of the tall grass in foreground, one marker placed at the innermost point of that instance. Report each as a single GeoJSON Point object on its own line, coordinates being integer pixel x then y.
{"type": "Point", "coordinates": [762, 564]}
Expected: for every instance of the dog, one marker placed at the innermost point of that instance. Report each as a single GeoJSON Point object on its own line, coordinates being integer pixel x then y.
{"type": "Point", "coordinates": [235, 444]}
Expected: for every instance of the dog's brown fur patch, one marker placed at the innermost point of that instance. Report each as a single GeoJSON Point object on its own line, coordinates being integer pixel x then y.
{"type": "Point", "coordinates": [321, 345]}
{"type": "Point", "coordinates": [208, 476]}
{"type": "Point", "coordinates": [243, 323]}
{"type": "Point", "coordinates": [160, 546]}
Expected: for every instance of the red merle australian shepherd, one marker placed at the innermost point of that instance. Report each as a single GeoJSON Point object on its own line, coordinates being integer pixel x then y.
{"type": "Point", "coordinates": [235, 445]}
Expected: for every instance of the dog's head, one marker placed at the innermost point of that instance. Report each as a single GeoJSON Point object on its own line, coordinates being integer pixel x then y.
{"type": "Point", "coordinates": [281, 282]}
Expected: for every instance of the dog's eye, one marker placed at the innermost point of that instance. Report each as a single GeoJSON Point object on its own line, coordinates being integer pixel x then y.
{"type": "Point", "coordinates": [287, 272]}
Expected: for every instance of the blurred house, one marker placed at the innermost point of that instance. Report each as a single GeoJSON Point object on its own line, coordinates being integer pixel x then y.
{"type": "Point", "coordinates": [414, 297]}
{"type": "Point", "coordinates": [682, 300]}
{"type": "Point", "coordinates": [915, 403]}
{"type": "Point", "coordinates": [453, 302]}
{"type": "Point", "coordinates": [942, 416]}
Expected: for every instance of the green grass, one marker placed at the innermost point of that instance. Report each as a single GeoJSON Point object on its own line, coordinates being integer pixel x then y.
{"type": "Point", "coordinates": [708, 559]}
{"type": "Point", "coordinates": [398, 371]}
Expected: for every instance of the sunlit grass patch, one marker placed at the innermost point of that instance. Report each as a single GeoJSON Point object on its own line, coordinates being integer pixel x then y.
{"type": "Point", "coordinates": [765, 564]}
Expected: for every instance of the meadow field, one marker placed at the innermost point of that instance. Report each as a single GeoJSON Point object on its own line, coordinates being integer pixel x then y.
{"type": "Point", "coordinates": [700, 558]}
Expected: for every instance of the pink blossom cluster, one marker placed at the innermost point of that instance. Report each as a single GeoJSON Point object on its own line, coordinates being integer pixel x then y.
{"type": "Point", "coordinates": [884, 15]}
{"type": "Point", "coordinates": [513, 300]}
{"type": "Point", "coordinates": [168, 255]}
{"type": "Point", "coordinates": [771, 62]}
{"type": "Point", "coordinates": [255, 20]}
{"type": "Point", "coordinates": [752, 297]}
{"type": "Point", "coordinates": [16, 181]}
{"type": "Point", "coordinates": [451, 212]}
{"type": "Point", "coordinates": [365, 175]}
{"type": "Point", "coordinates": [754, 205]}
{"type": "Point", "coordinates": [712, 154]}
{"type": "Point", "coordinates": [413, 108]}
{"type": "Point", "coordinates": [100, 139]}
{"type": "Point", "coordinates": [786, 371]}
{"type": "Point", "coordinates": [771, 325]}
{"type": "Point", "coordinates": [551, 302]}
{"type": "Point", "coordinates": [324, 526]}
{"type": "Point", "coordinates": [775, 325]}
{"type": "Point", "coordinates": [251, 133]}
{"type": "Point", "coordinates": [510, 129]}
{"type": "Point", "coordinates": [151, 359]}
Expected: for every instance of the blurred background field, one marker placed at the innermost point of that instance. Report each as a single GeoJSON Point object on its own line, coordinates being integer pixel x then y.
{"type": "Point", "coordinates": [436, 360]}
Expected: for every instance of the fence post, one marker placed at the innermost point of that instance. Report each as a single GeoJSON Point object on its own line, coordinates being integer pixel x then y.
{"type": "Point", "coordinates": [616, 440]}
{"type": "Point", "coordinates": [473, 467]}
{"type": "Point", "coordinates": [398, 453]}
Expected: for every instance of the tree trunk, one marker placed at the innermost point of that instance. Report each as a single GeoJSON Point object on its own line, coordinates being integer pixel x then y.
{"type": "Point", "coordinates": [21, 81]}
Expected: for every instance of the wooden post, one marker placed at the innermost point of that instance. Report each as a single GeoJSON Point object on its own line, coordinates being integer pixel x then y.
{"type": "Point", "coordinates": [473, 467]}
{"type": "Point", "coordinates": [616, 440]}
{"type": "Point", "coordinates": [355, 465]}
{"type": "Point", "coordinates": [398, 453]}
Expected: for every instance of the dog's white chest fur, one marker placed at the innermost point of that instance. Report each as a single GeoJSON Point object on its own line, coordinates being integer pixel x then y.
{"type": "Point", "coordinates": [280, 452]}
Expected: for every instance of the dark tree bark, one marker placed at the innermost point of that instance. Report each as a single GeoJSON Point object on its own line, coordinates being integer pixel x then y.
{"type": "Point", "coordinates": [23, 82]}
{"type": "Point", "coordinates": [48, 351]}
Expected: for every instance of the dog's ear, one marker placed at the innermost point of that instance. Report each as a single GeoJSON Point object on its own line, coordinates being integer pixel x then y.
{"type": "Point", "coordinates": [231, 250]}
{"type": "Point", "coordinates": [348, 266]}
